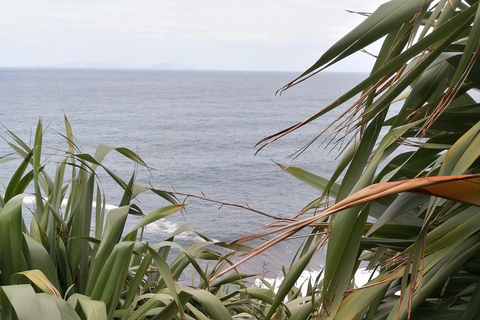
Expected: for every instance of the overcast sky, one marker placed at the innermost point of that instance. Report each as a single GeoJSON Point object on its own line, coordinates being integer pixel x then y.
{"type": "Point", "coordinates": [210, 34]}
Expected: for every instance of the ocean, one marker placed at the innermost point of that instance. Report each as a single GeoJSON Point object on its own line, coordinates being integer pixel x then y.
{"type": "Point", "coordinates": [197, 130]}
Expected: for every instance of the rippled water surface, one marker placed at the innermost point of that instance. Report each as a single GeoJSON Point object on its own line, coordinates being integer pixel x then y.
{"type": "Point", "coordinates": [196, 129]}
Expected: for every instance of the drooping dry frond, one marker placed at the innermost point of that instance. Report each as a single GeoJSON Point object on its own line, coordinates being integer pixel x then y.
{"type": "Point", "coordinates": [463, 188]}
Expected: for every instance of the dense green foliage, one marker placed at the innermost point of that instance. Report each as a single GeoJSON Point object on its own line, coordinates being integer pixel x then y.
{"type": "Point", "coordinates": [416, 116]}
{"type": "Point", "coordinates": [405, 196]}
{"type": "Point", "coordinates": [76, 260]}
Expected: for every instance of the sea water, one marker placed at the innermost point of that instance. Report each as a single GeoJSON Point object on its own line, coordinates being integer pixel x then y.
{"type": "Point", "coordinates": [197, 132]}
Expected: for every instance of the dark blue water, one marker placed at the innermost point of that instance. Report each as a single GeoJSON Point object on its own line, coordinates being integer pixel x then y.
{"type": "Point", "coordinates": [197, 130]}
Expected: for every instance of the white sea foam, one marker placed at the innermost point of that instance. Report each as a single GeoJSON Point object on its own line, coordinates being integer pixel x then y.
{"type": "Point", "coordinates": [362, 276]}
{"type": "Point", "coordinates": [163, 227]}
{"type": "Point", "coordinates": [29, 200]}
{"type": "Point", "coordinates": [169, 227]}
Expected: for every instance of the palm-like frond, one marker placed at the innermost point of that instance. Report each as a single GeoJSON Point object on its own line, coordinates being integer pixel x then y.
{"type": "Point", "coordinates": [79, 259]}
{"type": "Point", "coordinates": [421, 244]}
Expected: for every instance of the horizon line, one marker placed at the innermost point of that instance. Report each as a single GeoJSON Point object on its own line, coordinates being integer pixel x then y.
{"type": "Point", "coordinates": [165, 69]}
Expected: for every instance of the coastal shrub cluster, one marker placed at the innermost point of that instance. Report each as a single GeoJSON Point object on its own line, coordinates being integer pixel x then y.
{"type": "Point", "coordinates": [403, 202]}
{"type": "Point", "coordinates": [77, 260]}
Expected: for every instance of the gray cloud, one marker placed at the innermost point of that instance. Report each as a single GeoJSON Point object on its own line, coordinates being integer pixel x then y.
{"type": "Point", "coordinates": [139, 33]}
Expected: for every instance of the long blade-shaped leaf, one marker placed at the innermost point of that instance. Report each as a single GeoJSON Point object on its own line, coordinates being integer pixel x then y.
{"type": "Point", "coordinates": [155, 215]}
{"type": "Point", "coordinates": [11, 239]}
{"type": "Point", "coordinates": [385, 19]}
{"type": "Point", "coordinates": [23, 300]}
{"type": "Point", "coordinates": [40, 280]}
{"type": "Point", "coordinates": [463, 188]}
{"type": "Point", "coordinates": [113, 230]}
{"type": "Point", "coordinates": [212, 304]}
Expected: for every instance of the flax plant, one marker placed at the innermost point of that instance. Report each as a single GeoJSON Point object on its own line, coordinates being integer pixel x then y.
{"type": "Point", "coordinates": [78, 260]}
{"type": "Point", "coordinates": [405, 193]}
